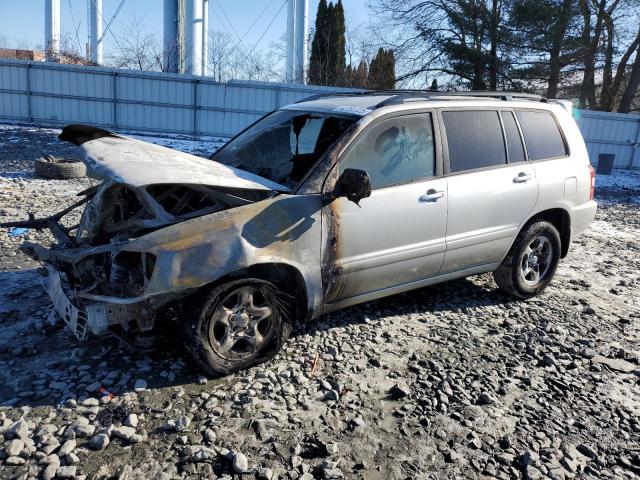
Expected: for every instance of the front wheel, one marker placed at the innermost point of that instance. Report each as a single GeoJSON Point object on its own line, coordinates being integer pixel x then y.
{"type": "Point", "coordinates": [532, 261]}
{"type": "Point", "coordinates": [236, 325]}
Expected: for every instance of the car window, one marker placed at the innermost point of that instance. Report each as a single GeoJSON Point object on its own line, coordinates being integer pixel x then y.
{"type": "Point", "coordinates": [284, 145]}
{"type": "Point", "coordinates": [395, 150]}
{"type": "Point", "coordinates": [515, 148]}
{"type": "Point", "coordinates": [541, 134]}
{"type": "Point", "coordinates": [475, 139]}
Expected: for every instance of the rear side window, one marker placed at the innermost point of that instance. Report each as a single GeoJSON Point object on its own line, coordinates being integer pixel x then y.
{"type": "Point", "coordinates": [515, 149]}
{"type": "Point", "coordinates": [396, 150]}
{"type": "Point", "coordinates": [541, 135]}
{"type": "Point", "coordinates": [475, 139]}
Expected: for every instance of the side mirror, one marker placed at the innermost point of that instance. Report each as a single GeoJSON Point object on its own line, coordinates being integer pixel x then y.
{"type": "Point", "coordinates": [353, 184]}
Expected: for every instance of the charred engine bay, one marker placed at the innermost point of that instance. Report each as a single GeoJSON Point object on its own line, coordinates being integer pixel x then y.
{"type": "Point", "coordinates": [90, 253]}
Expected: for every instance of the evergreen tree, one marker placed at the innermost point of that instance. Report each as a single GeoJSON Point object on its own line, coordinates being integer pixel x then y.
{"type": "Point", "coordinates": [318, 61]}
{"type": "Point", "coordinates": [327, 65]}
{"type": "Point", "coordinates": [382, 71]}
{"type": "Point", "coordinates": [339, 44]}
{"type": "Point", "coordinates": [434, 85]}
{"type": "Point", "coordinates": [360, 77]}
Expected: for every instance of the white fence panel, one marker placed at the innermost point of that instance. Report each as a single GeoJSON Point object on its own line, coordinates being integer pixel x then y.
{"type": "Point", "coordinates": [615, 133]}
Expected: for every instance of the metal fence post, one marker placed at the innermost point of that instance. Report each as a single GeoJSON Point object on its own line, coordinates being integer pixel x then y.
{"type": "Point", "coordinates": [114, 88]}
{"type": "Point", "coordinates": [635, 152]}
{"type": "Point", "coordinates": [29, 116]}
{"type": "Point", "coordinates": [195, 107]}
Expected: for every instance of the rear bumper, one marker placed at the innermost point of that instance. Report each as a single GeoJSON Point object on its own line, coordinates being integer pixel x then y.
{"type": "Point", "coordinates": [583, 215]}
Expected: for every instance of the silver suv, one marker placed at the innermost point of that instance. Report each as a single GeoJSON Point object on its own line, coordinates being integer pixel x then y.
{"type": "Point", "coordinates": [326, 203]}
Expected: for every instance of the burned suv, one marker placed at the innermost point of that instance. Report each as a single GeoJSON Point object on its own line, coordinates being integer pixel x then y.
{"type": "Point", "coordinates": [326, 203]}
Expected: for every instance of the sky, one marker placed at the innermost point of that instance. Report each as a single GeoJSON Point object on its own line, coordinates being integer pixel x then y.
{"type": "Point", "coordinates": [22, 22]}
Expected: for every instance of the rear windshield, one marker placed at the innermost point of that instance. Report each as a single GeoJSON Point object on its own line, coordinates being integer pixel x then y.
{"type": "Point", "coordinates": [284, 145]}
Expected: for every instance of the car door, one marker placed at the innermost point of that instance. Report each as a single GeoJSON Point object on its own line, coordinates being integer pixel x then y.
{"type": "Point", "coordinates": [491, 186]}
{"type": "Point", "coordinates": [397, 235]}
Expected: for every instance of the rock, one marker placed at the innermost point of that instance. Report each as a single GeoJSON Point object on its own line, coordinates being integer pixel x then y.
{"type": "Point", "coordinates": [332, 474]}
{"type": "Point", "coordinates": [616, 364]}
{"type": "Point", "coordinates": [179, 424]}
{"type": "Point", "coordinates": [126, 433]}
{"type": "Point", "coordinates": [331, 395]}
{"type": "Point", "coordinates": [548, 361]}
{"type": "Point", "coordinates": [240, 462]}
{"type": "Point", "coordinates": [14, 447]}
{"type": "Point", "coordinates": [331, 448]}
{"type": "Point", "coordinates": [68, 471]}
{"type": "Point", "coordinates": [399, 391]}
{"type": "Point", "coordinates": [67, 447]}
{"type": "Point", "coordinates": [19, 429]}
{"type": "Point", "coordinates": [84, 431]}
{"type": "Point", "coordinates": [485, 399]}
{"type": "Point", "coordinates": [528, 458]}
{"type": "Point", "coordinates": [15, 461]}
{"type": "Point", "coordinates": [99, 442]}
{"type": "Point", "coordinates": [131, 420]}
{"type": "Point", "coordinates": [265, 474]}
{"type": "Point", "coordinates": [50, 471]}
{"type": "Point", "coordinates": [587, 450]}
{"type": "Point", "coordinates": [140, 385]}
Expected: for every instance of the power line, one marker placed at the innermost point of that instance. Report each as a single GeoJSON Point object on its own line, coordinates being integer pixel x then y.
{"type": "Point", "coordinates": [270, 23]}
{"type": "Point", "coordinates": [257, 19]}
{"type": "Point", "coordinates": [232, 27]}
{"type": "Point", "coordinates": [76, 26]}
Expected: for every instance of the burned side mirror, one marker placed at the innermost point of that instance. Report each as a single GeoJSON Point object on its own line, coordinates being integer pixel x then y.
{"type": "Point", "coordinates": [354, 185]}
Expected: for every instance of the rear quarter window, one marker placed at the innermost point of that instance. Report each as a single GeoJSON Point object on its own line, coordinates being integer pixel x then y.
{"type": "Point", "coordinates": [541, 134]}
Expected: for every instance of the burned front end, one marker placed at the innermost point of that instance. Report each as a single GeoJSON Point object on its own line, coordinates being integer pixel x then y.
{"type": "Point", "coordinates": [96, 283]}
{"type": "Point", "coordinates": [96, 273]}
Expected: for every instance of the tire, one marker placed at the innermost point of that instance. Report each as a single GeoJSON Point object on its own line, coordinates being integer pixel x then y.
{"type": "Point", "coordinates": [209, 329]}
{"type": "Point", "coordinates": [59, 168]}
{"type": "Point", "coordinates": [543, 241]}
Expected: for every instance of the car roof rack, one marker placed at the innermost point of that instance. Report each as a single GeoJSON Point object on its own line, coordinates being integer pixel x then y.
{"type": "Point", "coordinates": [401, 96]}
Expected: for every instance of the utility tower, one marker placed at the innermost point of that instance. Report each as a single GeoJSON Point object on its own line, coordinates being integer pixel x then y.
{"type": "Point", "coordinates": [297, 32]}
{"type": "Point", "coordinates": [186, 36]}
{"type": "Point", "coordinates": [52, 30]}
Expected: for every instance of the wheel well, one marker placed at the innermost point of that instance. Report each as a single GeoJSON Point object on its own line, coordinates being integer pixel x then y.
{"type": "Point", "coordinates": [285, 277]}
{"type": "Point", "coordinates": [560, 219]}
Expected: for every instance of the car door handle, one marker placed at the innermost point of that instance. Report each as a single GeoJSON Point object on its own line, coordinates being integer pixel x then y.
{"type": "Point", "coordinates": [522, 177]}
{"type": "Point", "coordinates": [432, 195]}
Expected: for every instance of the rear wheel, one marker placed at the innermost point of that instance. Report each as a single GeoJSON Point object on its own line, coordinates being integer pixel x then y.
{"type": "Point", "coordinates": [236, 325]}
{"type": "Point", "coordinates": [532, 261]}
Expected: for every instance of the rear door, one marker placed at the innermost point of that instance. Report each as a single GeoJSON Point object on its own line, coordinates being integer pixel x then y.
{"type": "Point", "coordinates": [397, 235]}
{"type": "Point", "coordinates": [491, 186]}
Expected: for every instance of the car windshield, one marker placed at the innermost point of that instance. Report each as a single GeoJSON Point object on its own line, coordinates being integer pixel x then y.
{"type": "Point", "coordinates": [284, 145]}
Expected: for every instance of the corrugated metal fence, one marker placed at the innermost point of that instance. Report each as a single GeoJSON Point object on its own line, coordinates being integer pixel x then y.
{"type": "Point", "coordinates": [616, 133]}
{"type": "Point", "coordinates": [54, 94]}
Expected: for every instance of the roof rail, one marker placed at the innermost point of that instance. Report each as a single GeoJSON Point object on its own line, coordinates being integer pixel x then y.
{"type": "Point", "coordinates": [400, 96]}
{"type": "Point", "coordinates": [317, 96]}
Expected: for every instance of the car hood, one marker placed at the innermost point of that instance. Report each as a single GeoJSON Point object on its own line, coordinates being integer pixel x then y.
{"type": "Point", "coordinates": [121, 159]}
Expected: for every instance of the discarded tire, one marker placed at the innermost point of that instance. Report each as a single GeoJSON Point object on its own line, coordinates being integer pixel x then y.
{"type": "Point", "coordinates": [59, 168]}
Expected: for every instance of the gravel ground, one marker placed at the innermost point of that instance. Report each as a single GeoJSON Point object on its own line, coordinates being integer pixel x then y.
{"type": "Point", "coordinates": [450, 381]}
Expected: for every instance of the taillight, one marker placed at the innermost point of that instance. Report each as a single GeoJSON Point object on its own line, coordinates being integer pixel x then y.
{"type": "Point", "coordinates": [592, 173]}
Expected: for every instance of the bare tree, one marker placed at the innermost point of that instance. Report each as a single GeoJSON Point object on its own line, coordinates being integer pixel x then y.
{"type": "Point", "coordinates": [137, 49]}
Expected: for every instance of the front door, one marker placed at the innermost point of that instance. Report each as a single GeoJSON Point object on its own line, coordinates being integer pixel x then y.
{"type": "Point", "coordinates": [397, 235]}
